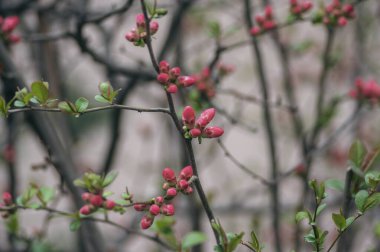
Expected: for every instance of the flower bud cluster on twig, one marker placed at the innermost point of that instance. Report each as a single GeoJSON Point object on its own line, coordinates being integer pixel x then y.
{"type": "Point", "coordinates": [138, 34]}
{"type": "Point", "coordinates": [8, 25]}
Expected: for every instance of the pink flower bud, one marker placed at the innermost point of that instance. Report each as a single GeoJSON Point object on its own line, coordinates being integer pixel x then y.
{"type": "Point", "coordinates": [171, 192]}
{"type": "Point", "coordinates": [348, 8]}
{"type": "Point", "coordinates": [140, 207]}
{"type": "Point", "coordinates": [14, 38]}
{"type": "Point", "coordinates": [168, 210]}
{"type": "Point", "coordinates": [183, 184]}
{"type": "Point", "coordinates": [7, 198]}
{"type": "Point", "coordinates": [168, 174]}
{"type": "Point", "coordinates": [132, 36]}
{"type": "Point", "coordinates": [175, 72]}
{"type": "Point", "coordinates": [165, 186]}
{"type": "Point", "coordinates": [188, 117]}
{"type": "Point", "coordinates": [188, 190]}
{"type": "Point", "coordinates": [194, 133]}
{"type": "Point", "coordinates": [154, 209]}
{"type": "Point", "coordinates": [9, 153]}
{"type": "Point", "coordinates": [342, 21]}
{"type": "Point", "coordinates": [10, 24]}
{"type": "Point", "coordinates": [163, 78]}
{"type": "Point", "coordinates": [297, 10]}
{"type": "Point", "coordinates": [211, 132]}
{"type": "Point", "coordinates": [353, 93]}
{"type": "Point", "coordinates": [259, 19]}
{"type": "Point", "coordinates": [293, 2]}
{"type": "Point", "coordinates": [186, 81]}
{"type": "Point", "coordinates": [86, 196]}
{"type": "Point", "coordinates": [85, 210]}
{"type": "Point", "coordinates": [140, 21]}
{"type": "Point", "coordinates": [153, 27]}
{"type": "Point", "coordinates": [96, 200]}
{"type": "Point", "coordinates": [172, 88]}
{"type": "Point", "coordinates": [186, 172]}
{"type": "Point", "coordinates": [307, 5]}
{"type": "Point", "coordinates": [164, 67]}
{"type": "Point", "coordinates": [159, 200]}
{"type": "Point", "coordinates": [268, 12]}
{"type": "Point", "coordinates": [109, 204]}
{"type": "Point", "coordinates": [146, 222]}
{"type": "Point", "coordinates": [205, 118]}
{"type": "Point", "coordinates": [269, 24]}
{"type": "Point", "coordinates": [255, 31]}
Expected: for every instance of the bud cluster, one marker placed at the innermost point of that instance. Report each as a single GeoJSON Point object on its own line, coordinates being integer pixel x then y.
{"type": "Point", "coordinates": [138, 34]}
{"type": "Point", "coordinates": [264, 22]}
{"type": "Point", "coordinates": [94, 202]}
{"type": "Point", "coordinates": [162, 204]}
{"type": "Point", "coordinates": [366, 90]}
{"type": "Point", "coordinates": [7, 199]}
{"type": "Point", "coordinates": [205, 82]}
{"type": "Point", "coordinates": [297, 8]}
{"type": "Point", "coordinates": [197, 128]}
{"type": "Point", "coordinates": [8, 25]}
{"type": "Point", "coordinates": [337, 14]}
{"type": "Point", "coordinates": [171, 78]}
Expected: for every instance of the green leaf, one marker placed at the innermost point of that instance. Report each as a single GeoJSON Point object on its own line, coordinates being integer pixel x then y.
{"type": "Point", "coordinates": [192, 239]}
{"type": "Point", "coordinates": [357, 153]}
{"type": "Point", "coordinates": [321, 208]}
{"type": "Point", "coordinates": [75, 225]}
{"type": "Point", "coordinates": [65, 107]}
{"type": "Point", "coordinates": [109, 178]}
{"type": "Point", "coordinates": [372, 179]}
{"type": "Point", "coordinates": [377, 230]}
{"type": "Point", "coordinates": [349, 221]}
{"type": "Point", "coordinates": [12, 224]}
{"type": "Point", "coordinates": [80, 183]}
{"type": "Point", "coordinates": [81, 104]}
{"type": "Point", "coordinates": [101, 99]}
{"type": "Point", "coordinates": [214, 29]}
{"type": "Point", "coordinates": [3, 107]}
{"type": "Point", "coordinates": [234, 240]}
{"type": "Point", "coordinates": [40, 91]}
{"type": "Point", "coordinates": [302, 215]}
{"type": "Point", "coordinates": [105, 89]}
{"type": "Point", "coordinates": [47, 194]}
{"type": "Point", "coordinates": [372, 201]}
{"type": "Point", "coordinates": [335, 184]}
{"type": "Point", "coordinates": [34, 205]}
{"type": "Point", "coordinates": [339, 221]}
{"type": "Point", "coordinates": [255, 243]}
{"type": "Point", "coordinates": [360, 199]}
{"type": "Point", "coordinates": [19, 104]}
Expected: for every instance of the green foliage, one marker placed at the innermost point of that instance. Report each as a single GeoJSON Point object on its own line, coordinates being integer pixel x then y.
{"type": "Point", "coordinates": [164, 228]}
{"type": "Point", "coordinates": [339, 220]}
{"type": "Point", "coordinates": [76, 109]}
{"type": "Point", "coordinates": [335, 184]}
{"type": "Point", "coordinates": [357, 153]}
{"type": "Point", "coordinates": [75, 225]}
{"type": "Point", "coordinates": [3, 107]}
{"type": "Point", "coordinates": [193, 239]}
{"type": "Point", "coordinates": [214, 29]}
{"type": "Point", "coordinates": [40, 92]}
{"type": "Point", "coordinates": [95, 183]}
{"type": "Point", "coordinates": [228, 241]}
{"type": "Point", "coordinates": [107, 93]}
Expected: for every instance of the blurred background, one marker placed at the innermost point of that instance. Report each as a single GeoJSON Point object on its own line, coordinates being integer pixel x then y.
{"type": "Point", "coordinates": [75, 45]}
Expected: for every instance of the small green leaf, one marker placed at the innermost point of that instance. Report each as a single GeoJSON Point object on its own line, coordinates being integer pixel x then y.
{"type": "Point", "coordinates": [335, 184]}
{"type": "Point", "coordinates": [255, 243]}
{"type": "Point", "coordinates": [349, 221]}
{"type": "Point", "coordinates": [109, 178]}
{"type": "Point", "coordinates": [357, 153]}
{"type": "Point", "coordinates": [19, 104]}
{"type": "Point", "coordinates": [192, 239]}
{"type": "Point", "coordinates": [40, 91]}
{"type": "Point", "coordinates": [65, 107]}
{"type": "Point", "coordinates": [12, 224]}
{"type": "Point", "coordinates": [302, 215]}
{"type": "Point", "coordinates": [105, 89]}
{"type": "Point", "coordinates": [321, 208]}
{"type": "Point", "coordinates": [339, 221]}
{"type": "Point", "coordinates": [75, 225]}
{"type": "Point", "coordinates": [234, 240]}
{"type": "Point", "coordinates": [34, 205]}
{"type": "Point", "coordinates": [80, 183]}
{"type": "Point", "coordinates": [3, 107]}
{"type": "Point", "coordinates": [214, 29]}
{"type": "Point", "coordinates": [372, 201]}
{"type": "Point", "coordinates": [81, 104]}
{"type": "Point", "coordinates": [360, 199]}
{"type": "Point", "coordinates": [101, 99]}
{"type": "Point", "coordinates": [47, 194]}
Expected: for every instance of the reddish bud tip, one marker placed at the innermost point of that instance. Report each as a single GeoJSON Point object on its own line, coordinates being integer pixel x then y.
{"type": "Point", "coordinates": [10, 24]}
{"type": "Point", "coordinates": [171, 192]}
{"type": "Point", "coordinates": [7, 198]}
{"type": "Point", "coordinates": [164, 66]}
{"type": "Point", "coordinates": [212, 132]}
{"type": "Point", "coordinates": [342, 21]}
{"type": "Point", "coordinates": [168, 210]}
{"type": "Point", "coordinates": [109, 204]}
{"type": "Point", "coordinates": [85, 210]}
{"type": "Point", "coordinates": [159, 200]}
{"type": "Point", "coordinates": [205, 118]}
{"type": "Point", "coordinates": [96, 200]}
{"type": "Point", "coordinates": [168, 174]}
{"type": "Point", "coordinates": [255, 31]}
{"type": "Point", "coordinates": [86, 196]}
{"type": "Point", "coordinates": [188, 117]}
{"type": "Point", "coordinates": [186, 172]}
{"type": "Point", "coordinates": [153, 27]}
{"type": "Point", "coordinates": [154, 210]}
{"type": "Point", "coordinates": [188, 190]}
{"type": "Point", "coordinates": [163, 78]}
{"type": "Point", "coordinates": [175, 72]}
{"type": "Point", "coordinates": [194, 133]}
{"type": "Point", "coordinates": [307, 5]}
{"type": "Point", "coordinates": [172, 88]}
{"type": "Point", "coordinates": [268, 11]}
{"type": "Point", "coordinates": [132, 36]}
{"type": "Point", "coordinates": [140, 207]}
{"type": "Point", "coordinates": [259, 19]}
{"type": "Point", "coordinates": [140, 20]}
{"type": "Point", "coordinates": [146, 222]}
{"type": "Point", "coordinates": [186, 81]}
{"type": "Point", "coordinates": [183, 184]}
